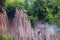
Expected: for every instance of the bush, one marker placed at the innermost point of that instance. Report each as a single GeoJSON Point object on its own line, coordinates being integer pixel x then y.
{"type": "Point", "coordinates": [4, 38]}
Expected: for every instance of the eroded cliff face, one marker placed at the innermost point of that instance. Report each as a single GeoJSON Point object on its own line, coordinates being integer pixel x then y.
{"type": "Point", "coordinates": [19, 28]}
{"type": "Point", "coordinates": [46, 32]}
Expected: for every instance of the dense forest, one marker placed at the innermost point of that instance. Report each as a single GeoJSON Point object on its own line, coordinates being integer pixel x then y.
{"type": "Point", "coordinates": [44, 10]}
{"type": "Point", "coordinates": [37, 10]}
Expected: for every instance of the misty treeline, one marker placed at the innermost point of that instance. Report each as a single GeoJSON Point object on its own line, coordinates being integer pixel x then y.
{"type": "Point", "coordinates": [38, 10]}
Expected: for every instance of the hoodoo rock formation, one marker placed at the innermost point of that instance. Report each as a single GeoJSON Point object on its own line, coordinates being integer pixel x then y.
{"type": "Point", "coordinates": [21, 28]}
{"type": "Point", "coordinates": [3, 22]}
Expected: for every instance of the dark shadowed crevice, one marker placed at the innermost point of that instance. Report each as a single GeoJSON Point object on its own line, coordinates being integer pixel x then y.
{"type": "Point", "coordinates": [10, 13]}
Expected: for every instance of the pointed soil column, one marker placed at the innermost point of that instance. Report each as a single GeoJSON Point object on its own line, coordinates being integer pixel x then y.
{"type": "Point", "coordinates": [14, 27]}
{"type": "Point", "coordinates": [3, 22]}
{"type": "Point", "coordinates": [26, 26]}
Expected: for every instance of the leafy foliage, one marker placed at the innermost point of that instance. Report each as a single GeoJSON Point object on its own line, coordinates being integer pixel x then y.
{"type": "Point", "coordinates": [3, 38]}
{"type": "Point", "coordinates": [46, 10]}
